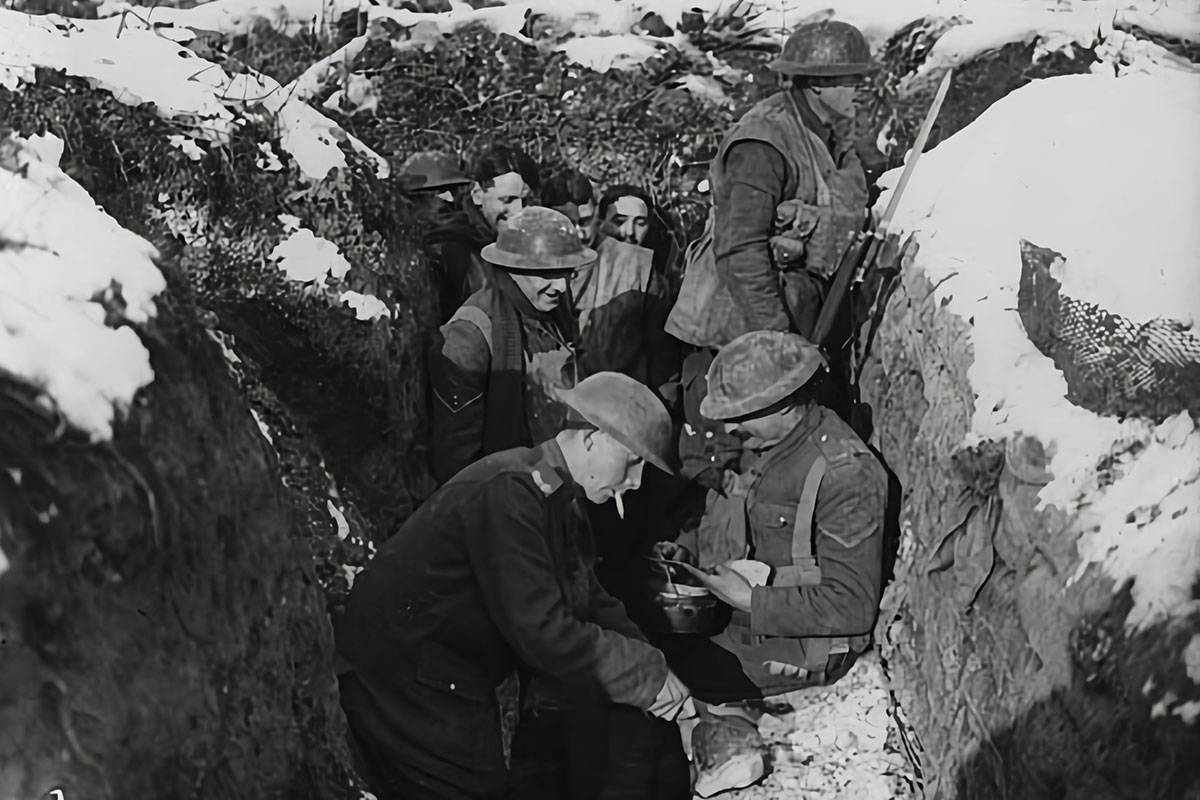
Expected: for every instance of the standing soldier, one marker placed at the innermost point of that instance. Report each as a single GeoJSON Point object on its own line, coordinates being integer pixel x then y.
{"type": "Point", "coordinates": [491, 573]}
{"type": "Point", "coordinates": [789, 191]}
{"type": "Point", "coordinates": [809, 514]}
{"type": "Point", "coordinates": [431, 178]}
{"type": "Point", "coordinates": [496, 365]}
{"type": "Point", "coordinates": [503, 181]}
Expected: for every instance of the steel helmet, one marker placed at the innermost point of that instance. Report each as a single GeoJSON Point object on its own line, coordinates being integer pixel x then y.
{"type": "Point", "coordinates": [825, 49]}
{"type": "Point", "coordinates": [757, 370]}
{"type": "Point", "coordinates": [431, 169]}
{"type": "Point", "coordinates": [627, 411]}
{"type": "Point", "coordinates": [538, 239]}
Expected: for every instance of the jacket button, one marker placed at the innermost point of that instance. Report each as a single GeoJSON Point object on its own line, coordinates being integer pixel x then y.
{"type": "Point", "coordinates": [452, 687]}
{"type": "Point", "coordinates": [782, 520]}
{"type": "Point", "coordinates": [823, 437]}
{"type": "Point", "coordinates": [708, 434]}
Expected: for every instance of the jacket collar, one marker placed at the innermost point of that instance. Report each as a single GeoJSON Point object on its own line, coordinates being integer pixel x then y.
{"type": "Point", "coordinates": [551, 471]}
{"type": "Point", "coordinates": [805, 428]}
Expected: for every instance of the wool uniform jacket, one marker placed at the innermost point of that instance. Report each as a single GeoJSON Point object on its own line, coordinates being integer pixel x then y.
{"type": "Point", "coordinates": [832, 610]}
{"type": "Point", "coordinates": [488, 574]}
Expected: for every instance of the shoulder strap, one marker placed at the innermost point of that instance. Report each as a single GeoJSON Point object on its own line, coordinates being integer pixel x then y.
{"type": "Point", "coordinates": [813, 146]}
{"type": "Point", "coordinates": [477, 317]}
{"type": "Point", "coordinates": [804, 570]}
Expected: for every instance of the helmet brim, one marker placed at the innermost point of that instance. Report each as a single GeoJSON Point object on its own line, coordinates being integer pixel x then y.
{"type": "Point", "coordinates": [420, 184]}
{"type": "Point", "coordinates": [714, 409]}
{"type": "Point", "coordinates": [794, 69]}
{"type": "Point", "coordinates": [559, 263]}
{"type": "Point", "coordinates": [656, 457]}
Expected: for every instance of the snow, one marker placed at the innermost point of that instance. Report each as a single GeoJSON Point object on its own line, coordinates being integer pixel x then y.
{"type": "Point", "coordinates": [60, 251]}
{"type": "Point", "coordinates": [304, 256]}
{"type": "Point", "coordinates": [1101, 169]}
{"type": "Point", "coordinates": [150, 66]}
{"type": "Point", "coordinates": [602, 53]}
{"type": "Point", "coordinates": [366, 306]}
{"type": "Point", "coordinates": [604, 35]}
{"type": "Point", "coordinates": [1191, 658]}
{"type": "Point", "coordinates": [339, 519]}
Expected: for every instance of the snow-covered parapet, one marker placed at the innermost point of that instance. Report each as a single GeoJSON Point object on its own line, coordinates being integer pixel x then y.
{"type": "Point", "coordinates": [1049, 549]}
{"type": "Point", "coordinates": [1102, 170]}
{"type": "Point", "coordinates": [62, 261]}
{"type": "Point", "coordinates": [139, 65]}
{"type": "Point", "coordinates": [604, 34]}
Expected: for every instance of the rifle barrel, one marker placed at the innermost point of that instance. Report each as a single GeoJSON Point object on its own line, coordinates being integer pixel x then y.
{"type": "Point", "coordinates": [914, 154]}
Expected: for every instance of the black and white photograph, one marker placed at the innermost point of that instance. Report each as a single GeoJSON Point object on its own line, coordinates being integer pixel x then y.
{"type": "Point", "coordinates": [599, 399]}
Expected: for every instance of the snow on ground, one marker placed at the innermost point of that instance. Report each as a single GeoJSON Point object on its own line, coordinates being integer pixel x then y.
{"type": "Point", "coordinates": [838, 742]}
{"type": "Point", "coordinates": [145, 65]}
{"type": "Point", "coordinates": [1101, 169]}
{"type": "Point", "coordinates": [58, 251]}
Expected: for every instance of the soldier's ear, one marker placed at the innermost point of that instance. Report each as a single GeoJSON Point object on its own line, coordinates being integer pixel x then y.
{"type": "Point", "coordinates": [477, 194]}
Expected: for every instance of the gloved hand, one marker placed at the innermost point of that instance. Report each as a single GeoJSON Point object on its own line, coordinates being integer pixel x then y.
{"type": "Point", "coordinates": [671, 699]}
{"type": "Point", "coordinates": [787, 252]}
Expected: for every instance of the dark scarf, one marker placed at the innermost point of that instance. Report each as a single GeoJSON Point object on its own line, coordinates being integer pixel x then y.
{"type": "Point", "coordinates": [506, 423]}
{"type": "Point", "coordinates": [465, 225]}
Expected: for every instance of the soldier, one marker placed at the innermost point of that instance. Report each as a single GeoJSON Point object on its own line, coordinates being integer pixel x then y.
{"type": "Point", "coordinates": [496, 364]}
{"type": "Point", "coordinates": [570, 193]}
{"type": "Point", "coordinates": [503, 180]}
{"type": "Point", "coordinates": [431, 178]}
{"type": "Point", "coordinates": [491, 573]}
{"type": "Point", "coordinates": [622, 301]}
{"type": "Point", "coordinates": [808, 513]}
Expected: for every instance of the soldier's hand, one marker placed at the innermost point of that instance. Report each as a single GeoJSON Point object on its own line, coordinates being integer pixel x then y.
{"type": "Point", "coordinates": [671, 698]}
{"type": "Point", "coordinates": [728, 585]}
{"type": "Point", "coordinates": [788, 252]}
{"type": "Point", "coordinates": [673, 551]}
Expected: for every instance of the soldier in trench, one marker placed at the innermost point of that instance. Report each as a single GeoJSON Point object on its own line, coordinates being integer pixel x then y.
{"type": "Point", "coordinates": [570, 193]}
{"type": "Point", "coordinates": [492, 573]}
{"type": "Point", "coordinates": [794, 543]}
{"type": "Point", "coordinates": [503, 180]}
{"type": "Point", "coordinates": [495, 366]}
{"type": "Point", "coordinates": [432, 179]}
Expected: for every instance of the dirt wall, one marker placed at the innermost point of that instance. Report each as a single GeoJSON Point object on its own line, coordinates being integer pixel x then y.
{"type": "Point", "coordinates": [164, 633]}
{"type": "Point", "coordinates": [1013, 664]}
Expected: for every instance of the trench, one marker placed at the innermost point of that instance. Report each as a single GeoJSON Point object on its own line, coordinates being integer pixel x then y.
{"type": "Point", "coordinates": [164, 617]}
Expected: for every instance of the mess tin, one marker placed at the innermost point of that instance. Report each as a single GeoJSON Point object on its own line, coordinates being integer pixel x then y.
{"type": "Point", "coordinates": [681, 608]}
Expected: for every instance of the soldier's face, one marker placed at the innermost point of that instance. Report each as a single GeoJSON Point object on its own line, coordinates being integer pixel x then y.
{"type": "Point", "coordinates": [612, 469]}
{"type": "Point", "coordinates": [837, 92]}
{"type": "Point", "coordinates": [545, 292]}
{"type": "Point", "coordinates": [766, 431]}
{"type": "Point", "coordinates": [628, 219]}
{"type": "Point", "coordinates": [501, 197]}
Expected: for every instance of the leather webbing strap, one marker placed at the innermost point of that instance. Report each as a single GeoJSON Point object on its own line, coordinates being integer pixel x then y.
{"type": "Point", "coordinates": [804, 570]}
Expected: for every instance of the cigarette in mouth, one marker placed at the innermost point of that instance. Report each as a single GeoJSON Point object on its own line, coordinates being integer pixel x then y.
{"type": "Point", "coordinates": [620, 505]}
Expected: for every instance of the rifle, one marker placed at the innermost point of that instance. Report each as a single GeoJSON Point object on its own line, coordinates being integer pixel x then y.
{"type": "Point", "coordinates": [863, 250]}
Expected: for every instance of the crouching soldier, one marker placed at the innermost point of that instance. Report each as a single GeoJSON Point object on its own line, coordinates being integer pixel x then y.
{"type": "Point", "coordinates": [491, 573]}
{"type": "Point", "coordinates": [795, 543]}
